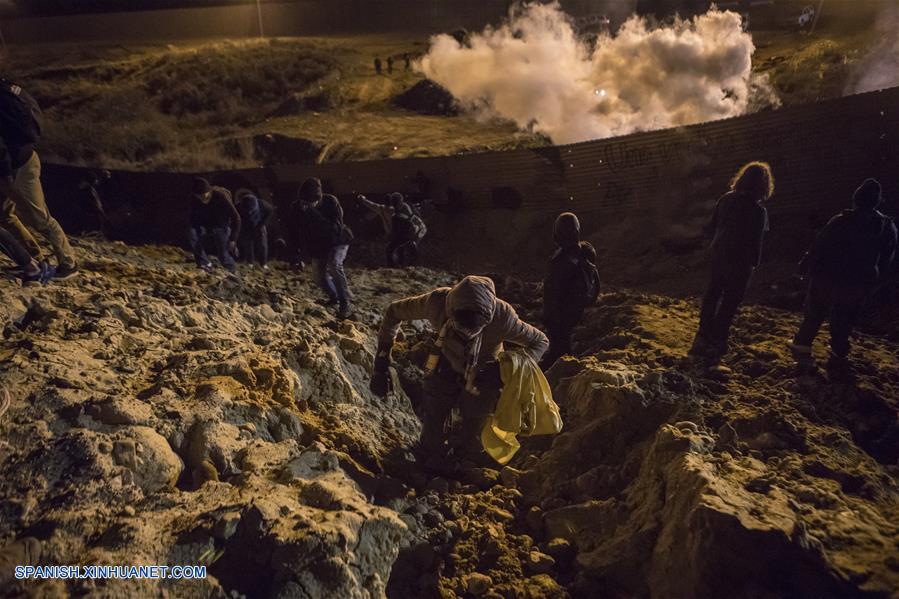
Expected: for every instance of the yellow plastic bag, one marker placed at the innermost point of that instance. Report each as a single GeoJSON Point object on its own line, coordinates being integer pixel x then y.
{"type": "Point", "coordinates": [525, 407]}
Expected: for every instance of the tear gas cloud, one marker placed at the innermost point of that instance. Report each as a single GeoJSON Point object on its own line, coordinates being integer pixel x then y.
{"type": "Point", "coordinates": [536, 71]}
{"type": "Point", "coordinates": [879, 69]}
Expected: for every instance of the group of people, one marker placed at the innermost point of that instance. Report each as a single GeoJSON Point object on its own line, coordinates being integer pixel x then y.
{"type": "Point", "coordinates": [379, 65]}
{"type": "Point", "coordinates": [850, 257]}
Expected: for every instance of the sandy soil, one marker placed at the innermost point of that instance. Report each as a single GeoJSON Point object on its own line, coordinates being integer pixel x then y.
{"type": "Point", "coordinates": [162, 415]}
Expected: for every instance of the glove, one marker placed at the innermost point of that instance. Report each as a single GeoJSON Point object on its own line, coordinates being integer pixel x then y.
{"type": "Point", "coordinates": [489, 376]}
{"type": "Point", "coordinates": [380, 376]}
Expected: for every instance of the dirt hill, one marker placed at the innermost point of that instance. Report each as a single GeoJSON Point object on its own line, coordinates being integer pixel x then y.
{"type": "Point", "coordinates": [162, 415]}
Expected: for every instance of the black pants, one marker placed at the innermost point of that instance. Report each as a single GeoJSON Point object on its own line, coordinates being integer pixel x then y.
{"type": "Point", "coordinates": [722, 299]}
{"type": "Point", "coordinates": [197, 238]}
{"type": "Point", "coordinates": [841, 302]}
{"type": "Point", "coordinates": [253, 245]}
{"type": "Point", "coordinates": [443, 390]}
{"type": "Point", "coordinates": [401, 253]}
{"type": "Point", "coordinates": [559, 343]}
{"type": "Point", "coordinates": [12, 248]}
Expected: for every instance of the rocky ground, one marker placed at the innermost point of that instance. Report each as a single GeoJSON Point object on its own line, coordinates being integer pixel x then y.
{"type": "Point", "coordinates": [162, 415]}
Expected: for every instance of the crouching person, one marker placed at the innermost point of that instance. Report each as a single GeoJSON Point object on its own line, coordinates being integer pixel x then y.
{"type": "Point", "coordinates": [254, 216]}
{"type": "Point", "coordinates": [472, 326]}
{"type": "Point", "coordinates": [214, 220]}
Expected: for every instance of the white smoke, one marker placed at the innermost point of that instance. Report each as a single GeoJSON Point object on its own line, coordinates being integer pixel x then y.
{"type": "Point", "coordinates": [879, 69]}
{"type": "Point", "coordinates": [535, 71]}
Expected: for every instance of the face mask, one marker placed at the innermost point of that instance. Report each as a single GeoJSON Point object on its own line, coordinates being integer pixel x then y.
{"type": "Point", "coordinates": [466, 333]}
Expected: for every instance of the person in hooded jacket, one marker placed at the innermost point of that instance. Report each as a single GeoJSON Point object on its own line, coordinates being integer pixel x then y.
{"type": "Point", "coordinates": [254, 215]}
{"type": "Point", "coordinates": [402, 249]}
{"type": "Point", "coordinates": [739, 224]}
{"type": "Point", "coordinates": [571, 284]}
{"type": "Point", "coordinates": [848, 259]}
{"type": "Point", "coordinates": [472, 325]}
{"type": "Point", "coordinates": [330, 249]}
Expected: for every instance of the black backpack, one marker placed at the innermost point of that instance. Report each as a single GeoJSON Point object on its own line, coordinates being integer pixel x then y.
{"type": "Point", "coordinates": [588, 282]}
{"type": "Point", "coordinates": [24, 125]}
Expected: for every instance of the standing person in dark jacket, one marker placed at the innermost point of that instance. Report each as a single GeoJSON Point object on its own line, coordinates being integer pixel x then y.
{"type": "Point", "coordinates": [571, 284]}
{"type": "Point", "coordinates": [336, 238]}
{"type": "Point", "coordinates": [213, 219]}
{"type": "Point", "coordinates": [90, 213]}
{"type": "Point", "coordinates": [849, 257]}
{"type": "Point", "coordinates": [20, 180]}
{"type": "Point", "coordinates": [739, 225]}
{"type": "Point", "coordinates": [254, 216]}
{"type": "Point", "coordinates": [406, 232]}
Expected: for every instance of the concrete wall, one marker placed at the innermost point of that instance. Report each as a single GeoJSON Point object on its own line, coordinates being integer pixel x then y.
{"type": "Point", "coordinates": [643, 199]}
{"type": "Point", "coordinates": [303, 17]}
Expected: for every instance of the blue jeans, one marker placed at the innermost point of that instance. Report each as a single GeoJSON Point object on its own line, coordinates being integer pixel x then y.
{"type": "Point", "coordinates": [218, 237]}
{"type": "Point", "coordinates": [331, 277]}
{"type": "Point", "coordinates": [253, 245]}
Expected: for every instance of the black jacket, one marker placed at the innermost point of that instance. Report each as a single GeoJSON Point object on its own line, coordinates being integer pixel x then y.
{"type": "Point", "coordinates": [856, 247]}
{"type": "Point", "coordinates": [218, 213]}
{"type": "Point", "coordinates": [571, 284]}
{"type": "Point", "coordinates": [16, 142]}
{"type": "Point", "coordinates": [739, 226]}
{"type": "Point", "coordinates": [321, 227]}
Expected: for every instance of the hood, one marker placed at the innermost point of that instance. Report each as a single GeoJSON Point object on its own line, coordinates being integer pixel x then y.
{"type": "Point", "coordinates": [310, 191]}
{"type": "Point", "coordinates": [243, 193]}
{"type": "Point", "coordinates": [869, 195]}
{"type": "Point", "coordinates": [472, 293]}
{"type": "Point", "coordinates": [567, 230]}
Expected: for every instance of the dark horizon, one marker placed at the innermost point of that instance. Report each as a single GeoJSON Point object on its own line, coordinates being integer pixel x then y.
{"type": "Point", "coordinates": [44, 8]}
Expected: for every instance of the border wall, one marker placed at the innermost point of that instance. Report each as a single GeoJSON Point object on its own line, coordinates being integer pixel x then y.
{"type": "Point", "coordinates": [643, 199]}
{"type": "Point", "coordinates": [301, 17]}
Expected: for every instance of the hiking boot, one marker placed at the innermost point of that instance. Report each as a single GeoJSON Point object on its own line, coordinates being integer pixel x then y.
{"type": "Point", "coordinates": [64, 273]}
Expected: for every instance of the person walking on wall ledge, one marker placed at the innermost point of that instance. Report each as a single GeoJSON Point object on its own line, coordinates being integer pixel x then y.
{"type": "Point", "coordinates": [739, 224]}
{"type": "Point", "coordinates": [846, 262]}
{"type": "Point", "coordinates": [24, 204]}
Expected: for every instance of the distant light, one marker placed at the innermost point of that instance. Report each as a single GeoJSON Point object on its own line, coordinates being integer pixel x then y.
{"type": "Point", "coordinates": [395, 148]}
{"type": "Point", "coordinates": [600, 92]}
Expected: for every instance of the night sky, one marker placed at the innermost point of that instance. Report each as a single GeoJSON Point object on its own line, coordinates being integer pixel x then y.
{"type": "Point", "coordinates": [58, 7]}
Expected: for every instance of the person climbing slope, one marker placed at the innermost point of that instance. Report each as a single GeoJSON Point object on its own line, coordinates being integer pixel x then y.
{"type": "Point", "coordinates": [848, 259]}
{"type": "Point", "coordinates": [571, 284]}
{"type": "Point", "coordinates": [739, 224]}
{"type": "Point", "coordinates": [472, 326]}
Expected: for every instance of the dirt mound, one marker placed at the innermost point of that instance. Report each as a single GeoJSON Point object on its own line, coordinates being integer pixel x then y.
{"type": "Point", "coordinates": [427, 97]}
{"type": "Point", "coordinates": [163, 415]}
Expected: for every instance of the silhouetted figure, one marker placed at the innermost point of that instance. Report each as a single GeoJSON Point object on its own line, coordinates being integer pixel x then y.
{"type": "Point", "coordinates": [377, 65]}
{"type": "Point", "coordinates": [472, 327]}
{"type": "Point", "coordinates": [571, 284]}
{"type": "Point", "coordinates": [325, 238]}
{"type": "Point", "coordinates": [213, 220]}
{"type": "Point", "coordinates": [406, 232]}
{"type": "Point", "coordinates": [390, 65]}
{"type": "Point", "coordinates": [385, 211]}
{"type": "Point", "coordinates": [847, 260]}
{"type": "Point", "coordinates": [91, 215]}
{"type": "Point", "coordinates": [738, 225]}
{"type": "Point", "coordinates": [21, 191]}
{"type": "Point", "coordinates": [407, 60]}
{"type": "Point", "coordinates": [254, 216]}
{"type": "Point", "coordinates": [30, 270]}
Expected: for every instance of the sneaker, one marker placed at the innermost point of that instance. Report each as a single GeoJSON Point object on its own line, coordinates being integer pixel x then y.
{"type": "Point", "coordinates": [43, 275]}
{"type": "Point", "coordinates": [206, 266]}
{"type": "Point", "coordinates": [265, 267]}
{"type": "Point", "coordinates": [64, 273]}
